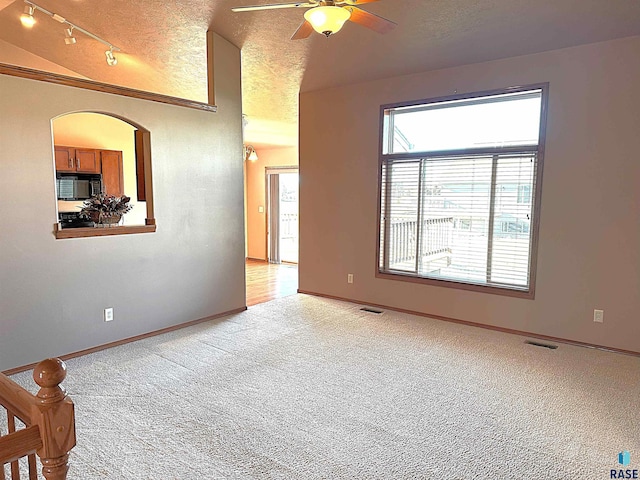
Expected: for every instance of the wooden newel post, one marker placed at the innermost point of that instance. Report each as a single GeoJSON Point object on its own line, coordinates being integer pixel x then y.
{"type": "Point", "coordinates": [53, 413]}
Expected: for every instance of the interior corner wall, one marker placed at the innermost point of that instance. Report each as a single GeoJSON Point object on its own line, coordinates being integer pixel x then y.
{"type": "Point", "coordinates": [256, 195]}
{"type": "Point", "coordinates": [53, 292]}
{"type": "Point", "coordinates": [588, 255]}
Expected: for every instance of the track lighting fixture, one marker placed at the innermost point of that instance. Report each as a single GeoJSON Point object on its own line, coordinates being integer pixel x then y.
{"type": "Point", "coordinates": [111, 60]}
{"type": "Point", "coordinates": [69, 39]}
{"type": "Point", "coordinates": [27, 20]}
{"type": "Point", "coordinates": [250, 153]}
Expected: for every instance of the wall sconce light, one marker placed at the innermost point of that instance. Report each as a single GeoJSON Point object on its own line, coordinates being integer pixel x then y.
{"type": "Point", "coordinates": [250, 153]}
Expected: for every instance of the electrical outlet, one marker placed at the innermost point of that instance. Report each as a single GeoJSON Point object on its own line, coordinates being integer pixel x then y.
{"type": "Point", "coordinates": [598, 316]}
{"type": "Point", "coordinates": [350, 278]}
{"type": "Point", "coordinates": [108, 314]}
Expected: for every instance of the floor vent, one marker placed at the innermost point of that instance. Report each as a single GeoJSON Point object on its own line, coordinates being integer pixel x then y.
{"type": "Point", "coordinates": [544, 345]}
{"type": "Point", "coordinates": [371, 310]}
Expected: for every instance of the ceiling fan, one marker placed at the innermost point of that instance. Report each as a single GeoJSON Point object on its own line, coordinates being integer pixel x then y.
{"type": "Point", "coordinates": [328, 17]}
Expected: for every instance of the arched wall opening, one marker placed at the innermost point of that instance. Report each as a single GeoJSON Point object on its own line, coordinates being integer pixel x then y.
{"type": "Point", "coordinates": [115, 150]}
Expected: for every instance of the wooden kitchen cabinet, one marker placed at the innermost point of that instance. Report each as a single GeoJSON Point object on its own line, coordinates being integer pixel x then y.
{"type": "Point", "coordinates": [65, 159]}
{"type": "Point", "coordinates": [80, 160]}
{"type": "Point", "coordinates": [89, 160]}
{"type": "Point", "coordinates": [112, 172]}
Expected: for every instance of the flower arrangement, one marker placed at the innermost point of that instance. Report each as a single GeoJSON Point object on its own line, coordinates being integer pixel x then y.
{"type": "Point", "coordinates": [105, 209]}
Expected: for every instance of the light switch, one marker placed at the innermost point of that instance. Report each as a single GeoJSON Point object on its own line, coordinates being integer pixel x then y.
{"type": "Point", "coordinates": [260, 209]}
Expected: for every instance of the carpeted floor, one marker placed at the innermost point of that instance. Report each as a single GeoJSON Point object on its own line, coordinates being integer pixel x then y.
{"type": "Point", "coordinates": [310, 388]}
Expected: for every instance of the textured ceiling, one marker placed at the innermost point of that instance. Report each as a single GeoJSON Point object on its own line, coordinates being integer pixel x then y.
{"type": "Point", "coordinates": [164, 50]}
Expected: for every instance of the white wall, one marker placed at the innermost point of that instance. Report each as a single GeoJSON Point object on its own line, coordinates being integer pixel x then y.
{"type": "Point", "coordinates": [53, 292]}
{"type": "Point", "coordinates": [589, 249]}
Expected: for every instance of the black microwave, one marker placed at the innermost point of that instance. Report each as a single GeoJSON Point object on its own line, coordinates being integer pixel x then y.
{"type": "Point", "coordinates": [77, 186]}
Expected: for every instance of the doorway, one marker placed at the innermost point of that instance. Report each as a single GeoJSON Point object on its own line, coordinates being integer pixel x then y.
{"type": "Point", "coordinates": [282, 212]}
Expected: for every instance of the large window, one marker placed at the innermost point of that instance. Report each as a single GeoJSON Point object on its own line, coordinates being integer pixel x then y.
{"type": "Point", "coordinates": [460, 190]}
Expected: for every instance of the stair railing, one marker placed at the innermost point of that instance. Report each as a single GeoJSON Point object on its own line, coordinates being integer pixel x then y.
{"type": "Point", "coordinates": [49, 423]}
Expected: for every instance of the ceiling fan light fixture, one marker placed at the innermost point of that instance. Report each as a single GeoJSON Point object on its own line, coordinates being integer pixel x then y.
{"type": "Point", "coordinates": [327, 19]}
{"type": "Point", "coordinates": [26, 18]}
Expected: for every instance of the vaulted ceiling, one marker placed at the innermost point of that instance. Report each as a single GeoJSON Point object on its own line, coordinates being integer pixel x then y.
{"type": "Point", "coordinates": [163, 47]}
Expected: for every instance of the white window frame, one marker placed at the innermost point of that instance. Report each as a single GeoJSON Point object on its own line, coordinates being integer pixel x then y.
{"type": "Point", "coordinates": [535, 193]}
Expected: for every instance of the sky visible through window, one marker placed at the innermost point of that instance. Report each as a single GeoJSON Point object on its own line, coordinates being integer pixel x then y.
{"type": "Point", "coordinates": [453, 127]}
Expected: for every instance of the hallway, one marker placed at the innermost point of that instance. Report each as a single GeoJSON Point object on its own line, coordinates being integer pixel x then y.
{"type": "Point", "coordinates": [267, 281]}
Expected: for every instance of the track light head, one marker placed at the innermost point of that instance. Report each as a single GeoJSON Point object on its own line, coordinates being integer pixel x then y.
{"type": "Point", "coordinates": [26, 18]}
{"type": "Point", "coordinates": [69, 39]}
{"type": "Point", "coordinates": [111, 60]}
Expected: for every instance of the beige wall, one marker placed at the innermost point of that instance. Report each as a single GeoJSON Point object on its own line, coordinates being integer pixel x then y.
{"type": "Point", "coordinates": [256, 197]}
{"type": "Point", "coordinates": [588, 255]}
{"type": "Point", "coordinates": [53, 292]}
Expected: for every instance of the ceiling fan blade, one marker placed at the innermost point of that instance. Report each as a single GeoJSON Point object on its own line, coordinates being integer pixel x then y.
{"type": "Point", "coordinates": [304, 30]}
{"type": "Point", "coordinates": [370, 20]}
{"type": "Point", "coordinates": [250, 8]}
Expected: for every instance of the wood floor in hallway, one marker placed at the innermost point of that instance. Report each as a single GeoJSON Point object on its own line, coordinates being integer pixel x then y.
{"type": "Point", "coordinates": [266, 281]}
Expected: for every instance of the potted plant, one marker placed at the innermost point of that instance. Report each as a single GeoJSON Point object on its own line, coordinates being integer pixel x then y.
{"type": "Point", "coordinates": [104, 209]}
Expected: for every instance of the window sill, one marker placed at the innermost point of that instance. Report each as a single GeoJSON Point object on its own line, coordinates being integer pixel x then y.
{"type": "Point", "coordinates": [100, 232]}
{"type": "Point", "coordinates": [526, 294]}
